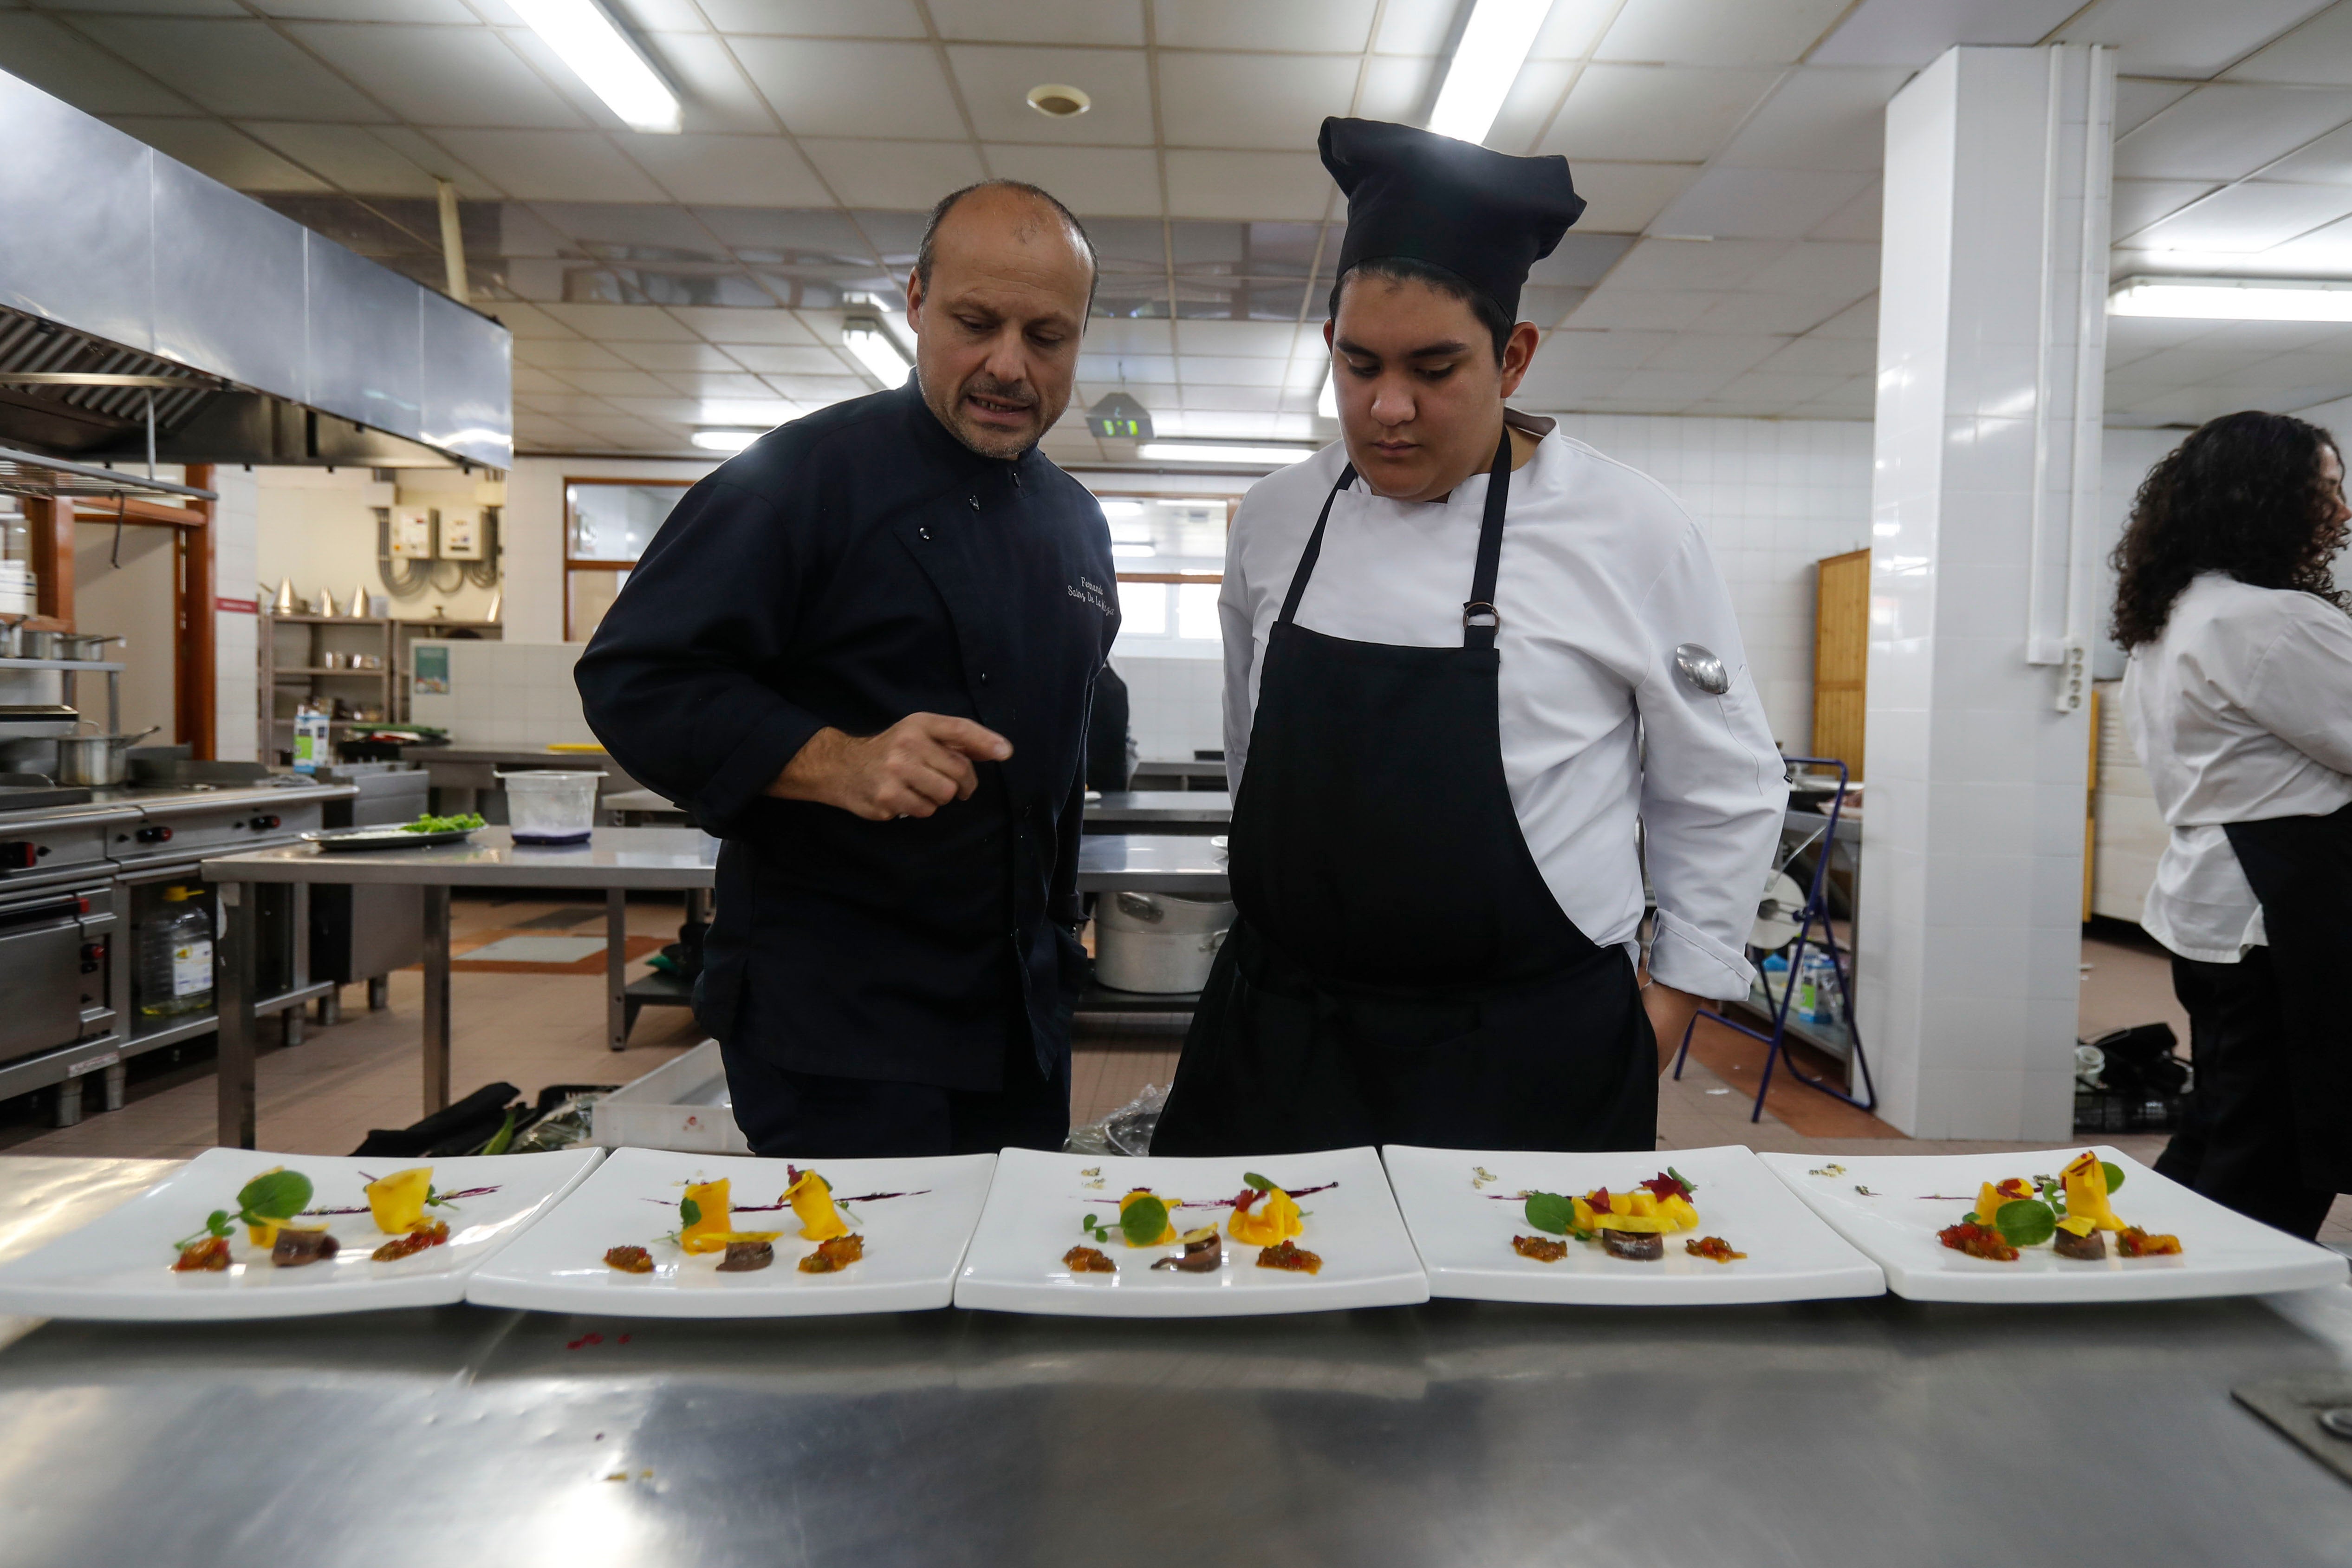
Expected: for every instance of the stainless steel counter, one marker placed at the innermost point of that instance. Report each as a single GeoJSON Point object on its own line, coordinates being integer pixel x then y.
{"type": "Point", "coordinates": [1866, 1433]}
{"type": "Point", "coordinates": [1151, 863]}
{"type": "Point", "coordinates": [1170, 810]}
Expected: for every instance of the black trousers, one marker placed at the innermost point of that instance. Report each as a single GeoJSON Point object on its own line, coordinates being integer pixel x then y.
{"type": "Point", "coordinates": [2237, 1141]}
{"type": "Point", "coordinates": [786, 1114]}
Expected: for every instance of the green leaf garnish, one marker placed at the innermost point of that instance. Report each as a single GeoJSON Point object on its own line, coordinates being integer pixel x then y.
{"type": "Point", "coordinates": [1144, 1221]}
{"type": "Point", "coordinates": [462, 823]}
{"type": "Point", "coordinates": [690, 1211]}
{"type": "Point", "coordinates": [274, 1195]}
{"type": "Point", "coordinates": [1689, 1187]}
{"type": "Point", "coordinates": [1257, 1182]}
{"type": "Point", "coordinates": [2026, 1223]}
{"type": "Point", "coordinates": [217, 1223]}
{"type": "Point", "coordinates": [1551, 1211]}
{"type": "Point", "coordinates": [2115, 1175]}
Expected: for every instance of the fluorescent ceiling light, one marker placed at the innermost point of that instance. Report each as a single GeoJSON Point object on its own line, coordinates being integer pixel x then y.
{"type": "Point", "coordinates": [1204, 452]}
{"type": "Point", "coordinates": [1493, 47]}
{"type": "Point", "coordinates": [876, 349]}
{"type": "Point", "coordinates": [2232, 298]}
{"type": "Point", "coordinates": [726, 440]}
{"type": "Point", "coordinates": [1327, 402]}
{"type": "Point", "coordinates": [1122, 509]}
{"type": "Point", "coordinates": [588, 40]}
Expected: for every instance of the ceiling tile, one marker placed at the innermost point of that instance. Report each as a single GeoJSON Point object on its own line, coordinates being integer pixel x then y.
{"type": "Point", "coordinates": [1820, 270]}
{"type": "Point", "coordinates": [1655, 113]}
{"type": "Point", "coordinates": [1218, 370]}
{"type": "Point", "coordinates": [1626, 199]}
{"type": "Point", "coordinates": [996, 83]}
{"type": "Point", "coordinates": [1759, 204]}
{"type": "Point", "coordinates": [152, 7]}
{"type": "Point", "coordinates": [569, 406]}
{"type": "Point", "coordinates": [1914, 32]}
{"type": "Point", "coordinates": [2319, 53]}
{"type": "Point", "coordinates": [1527, 108]}
{"type": "Point", "coordinates": [1118, 369]}
{"type": "Point", "coordinates": [1221, 399]}
{"type": "Point", "coordinates": [831, 88]}
{"type": "Point", "coordinates": [1756, 311]}
{"type": "Point", "coordinates": [1093, 181]}
{"type": "Point", "coordinates": [906, 175]}
{"type": "Point", "coordinates": [817, 18]}
{"type": "Point", "coordinates": [1041, 22]}
{"type": "Point", "coordinates": [1566, 387]}
{"type": "Point", "coordinates": [1402, 87]}
{"type": "Point", "coordinates": [1863, 218]}
{"type": "Point", "coordinates": [2184, 37]}
{"type": "Point", "coordinates": [220, 151]}
{"type": "Point", "coordinates": [1666, 264]}
{"type": "Point", "coordinates": [1717, 32]}
{"type": "Point", "coordinates": [618, 324]}
{"type": "Point", "coordinates": [787, 359]}
{"type": "Point", "coordinates": [2139, 101]}
{"type": "Point", "coordinates": [818, 391]}
{"type": "Point", "coordinates": [1418, 27]}
{"type": "Point", "coordinates": [1240, 340]}
{"type": "Point", "coordinates": [63, 63]}
{"type": "Point", "coordinates": [644, 17]}
{"type": "Point", "coordinates": [1269, 186]}
{"type": "Point", "coordinates": [2226, 132]}
{"type": "Point", "coordinates": [1857, 322]}
{"type": "Point", "coordinates": [350, 157]}
{"type": "Point", "coordinates": [1331, 26]}
{"type": "Point", "coordinates": [1573, 29]}
{"type": "Point", "coordinates": [528, 322]}
{"type": "Point", "coordinates": [721, 325]}
{"type": "Point", "coordinates": [1581, 260]}
{"type": "Point", "coordinates": [1669, 390]}
{"type": "Point", "coordinates": [567, 356]}
{"type": "Point", "coordinates": [1820, 117]}
{"type": "Point", "coordinates": [1118, 337]}
{"type": "Point", "coordinates": [552, 166]}
{"type": "Point", "coordinates": [1662, 311]}
{"type": "Point", "coordinates": [712, 93]}
{"type": "Point", "coordinates": [1252, 101]}
{"type": "Point", "coordinates": [1772, 393]}
{"type": "Point", "coordinates": [434, 159]}
{"type": "Point", "coordinates": [2251, 217]}
{"type": "Point", "coordinates": [1815, 354]}
{"type": "Point", "coordinates": [730, 171]}
{"type": "Point", "coordinates": [441, 76]}
{"type": "Point", "coordinates": [529, 379]}
{"type": "Point", "coordinates": [2327, 160]}
{"type": "Point", "coordinates": [678, 356]}
{"type": "Point", "coordinates": [670, 410]}
{"type": "Point", "coordinates": [1715, 352]}
{"type": "Point", "coordinates": [235, 68]}
{"type": "Point", "coordinates": [712, 384]}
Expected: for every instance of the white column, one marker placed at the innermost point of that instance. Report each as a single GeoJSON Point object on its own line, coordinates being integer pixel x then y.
{"type": "Point", "coordinates": [1984, 511]}
{"type": "Point", "coordinates": [237, 648]}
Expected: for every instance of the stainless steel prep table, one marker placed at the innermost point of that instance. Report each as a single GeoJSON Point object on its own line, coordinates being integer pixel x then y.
{"type": "Point", "coordinates": [616, 859]}
{"type": "Point", "coordinates": [1151, 863]}
{"type": "Point", "coordinates": [1186, 811]}
{"type": "Point", "coordinates": [1878, 1433]}
{"type": "Point", "coordinates": [463, 775]}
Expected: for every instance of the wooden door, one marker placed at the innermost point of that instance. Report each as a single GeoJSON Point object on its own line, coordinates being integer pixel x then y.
{"type": "Point", "coordinates": [1841, 655]}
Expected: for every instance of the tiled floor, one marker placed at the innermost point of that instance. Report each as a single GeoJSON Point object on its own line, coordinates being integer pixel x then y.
{"type": "Point", "coordinates": [539, 1029]}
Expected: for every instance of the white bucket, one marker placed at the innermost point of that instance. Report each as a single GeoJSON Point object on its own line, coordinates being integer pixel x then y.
{"type": "Point", "coordinates": [549, 806]}
{"type": "Point", "coordinates": [1158, 943]}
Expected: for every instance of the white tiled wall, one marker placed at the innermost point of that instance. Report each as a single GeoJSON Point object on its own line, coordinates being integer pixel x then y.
{"type": "Point", "coordinates": [506, 693]}
{"type": "Point", "coordinates": [1175, 705]}
{"type": "Point", "coordinates": [236, 645]}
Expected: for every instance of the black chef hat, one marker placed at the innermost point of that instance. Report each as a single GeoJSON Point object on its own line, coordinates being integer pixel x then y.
{"type": "Point", "coordinates": [1482, 216]}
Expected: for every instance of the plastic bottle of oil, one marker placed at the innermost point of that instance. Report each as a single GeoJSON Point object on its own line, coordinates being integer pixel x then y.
{"type": "Point", "coordinates": [176, 957]}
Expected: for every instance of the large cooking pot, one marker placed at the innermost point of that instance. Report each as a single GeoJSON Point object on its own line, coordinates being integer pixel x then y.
{"type": "Point", "coordinates": [97, 758]}
{"type": "Point", "coordinates": [84, 646]}
{"type": "Point", "coordinates": [1158, 943]}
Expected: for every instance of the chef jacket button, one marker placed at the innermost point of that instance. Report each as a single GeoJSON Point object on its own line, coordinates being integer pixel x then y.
{"type": "Point", "coordinates": [975, 504]}
{"type": "Point", "coordinates": [924, 534]}
{"type": "Point", "coordinates": [984, 678]}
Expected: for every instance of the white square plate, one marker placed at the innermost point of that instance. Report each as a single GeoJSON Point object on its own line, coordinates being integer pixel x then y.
{"type": "Point", "coordinates": [1913, 1196]}
{"type": "Point", "coordinates": [1464, 1207]}
{"type": "Point", "coordinates": [914, 1240]}
{"type": "Point", "coordinates": [1037, 1201]}
{"type": "Point", "coordinates": [119, 1267]}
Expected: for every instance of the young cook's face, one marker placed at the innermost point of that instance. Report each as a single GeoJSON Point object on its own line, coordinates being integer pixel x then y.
{"type": "Point", "coordinates": [1420, 390]}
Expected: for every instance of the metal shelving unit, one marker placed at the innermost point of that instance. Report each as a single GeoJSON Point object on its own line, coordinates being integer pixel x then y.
{"type": "Point", "coordinates": [313, 678]}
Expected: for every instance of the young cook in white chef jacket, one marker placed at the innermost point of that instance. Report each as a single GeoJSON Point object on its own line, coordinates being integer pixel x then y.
{"type": "Point", "coordinates": [2239, 699]}
{"type": "Point", "coordinates": [1448, 641]}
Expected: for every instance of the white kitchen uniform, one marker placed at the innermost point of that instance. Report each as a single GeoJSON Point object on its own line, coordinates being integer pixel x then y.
{"type": "Point", "coordinates": [2241, 711]}
{"type": "Point", "coordinates": [1603, 575]}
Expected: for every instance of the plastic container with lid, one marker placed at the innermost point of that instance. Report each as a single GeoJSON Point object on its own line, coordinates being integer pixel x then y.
{"type": "Point", "coordinates": [549, 806]}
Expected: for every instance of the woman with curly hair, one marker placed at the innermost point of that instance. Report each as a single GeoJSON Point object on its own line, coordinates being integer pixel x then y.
{"type": "Point", "coordinates": [2239, 699]}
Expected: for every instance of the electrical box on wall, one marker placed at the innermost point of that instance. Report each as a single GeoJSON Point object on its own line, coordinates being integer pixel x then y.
{"type": "Point", "coordinates": [462, 536]}
{"type": "Point", "coordinates": [412, 533]}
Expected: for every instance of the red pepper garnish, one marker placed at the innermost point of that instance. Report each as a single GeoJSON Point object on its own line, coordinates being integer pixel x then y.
{"type": "Point", "coordinates": [1600, 1201]}
{"type": "Point", "coordinates": [1247, 1196]}
{"type": "Point", "coordinates": [1664, 1187]}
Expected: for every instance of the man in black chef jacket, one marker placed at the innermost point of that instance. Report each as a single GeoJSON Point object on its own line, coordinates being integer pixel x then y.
{"type": "Point", "coordinates": [861, 653]}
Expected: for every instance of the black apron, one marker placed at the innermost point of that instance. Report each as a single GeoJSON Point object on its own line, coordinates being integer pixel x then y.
{"type": "Point", "coordinates": [2301, 870]}
{"type": "Point", "coordinates": [1400, 971]}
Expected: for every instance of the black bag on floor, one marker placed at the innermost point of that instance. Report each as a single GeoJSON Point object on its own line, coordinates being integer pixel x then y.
{"type": "Point", "coordinates": [459, 1129]}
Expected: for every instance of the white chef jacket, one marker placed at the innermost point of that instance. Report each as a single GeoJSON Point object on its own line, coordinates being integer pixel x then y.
{"type": "Point", "coordinates": [2240, 712]}
{"type": "Point", "coordinates": [1603, 575]}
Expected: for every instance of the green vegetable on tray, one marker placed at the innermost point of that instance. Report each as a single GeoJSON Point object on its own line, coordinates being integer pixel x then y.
{"type": "Point", "coordinates": [466, 823]}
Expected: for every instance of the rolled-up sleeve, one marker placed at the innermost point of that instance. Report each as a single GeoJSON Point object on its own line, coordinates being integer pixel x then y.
{"type": "Point", "coordinates": [1714, 789]}
{"type": "Point", "coordinates": [1236, 622]}
{"type": "Point", "coordinates": [670, 683]}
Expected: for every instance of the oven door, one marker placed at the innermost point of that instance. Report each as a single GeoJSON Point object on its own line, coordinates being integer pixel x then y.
{"type": "Point", "coordinates": [41, 979]}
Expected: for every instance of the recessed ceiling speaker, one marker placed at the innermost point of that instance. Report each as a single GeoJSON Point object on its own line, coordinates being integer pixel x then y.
{"type": "Point", "coordinates": [1059, 101]}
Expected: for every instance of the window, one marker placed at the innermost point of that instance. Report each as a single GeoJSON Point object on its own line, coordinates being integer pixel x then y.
{"type": "Point", "coordinates": [607, 524]}
{"type": "Point", "coordinates": [1170, 553]}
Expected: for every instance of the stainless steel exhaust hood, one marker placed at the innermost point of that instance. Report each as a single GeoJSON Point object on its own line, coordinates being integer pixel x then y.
{"type": "Point", "coordinates": [116, 260]}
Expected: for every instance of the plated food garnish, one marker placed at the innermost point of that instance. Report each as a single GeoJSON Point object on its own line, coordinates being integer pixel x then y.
{"type": "Point", "coordinates": [834, 1254]}
{"type": "Point", "coordinates": [630, 1260]}
{"type": "Point", "coordinates": [747, 1257]}
{"type": "Point", "coordinates": [1631, 1225]}
{"type": "Point", "coordinates": [1290, 1255]}
{"type": "Point", "coordinates": [207, 1256]}
{"type": "Point", "coordinates": [1264, 1216]}
{"type": "Point", "coordinates": [265, 1206]}
{"type": "Point", "coordinates": [1543, 1249]}
{"type": "Point", "coordinates": [427, 1233]}
{"type": "Point", "coordinates": [1714, 1249]}
{"type": "Point", "coordinates": [1087, 1261]}
{"type": "Point", "coordinates": [2072, 1212]}
{"type": "Point", "coordinates": [1203, 1253]}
